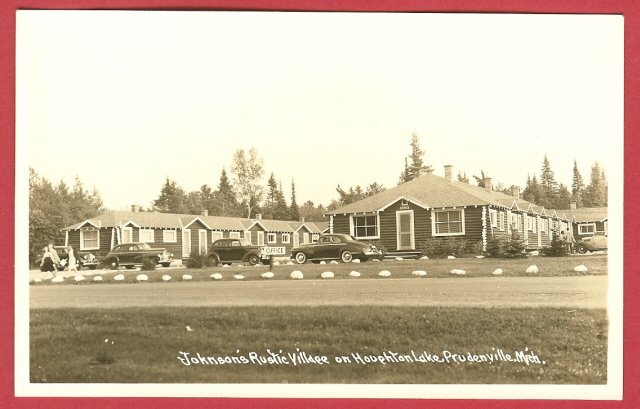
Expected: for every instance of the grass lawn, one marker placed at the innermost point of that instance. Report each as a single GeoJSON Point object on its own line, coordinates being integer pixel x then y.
{"type": "Point", "coordinates": [137, 345]}
{"type": "Point", "coordinates": [548, 266]}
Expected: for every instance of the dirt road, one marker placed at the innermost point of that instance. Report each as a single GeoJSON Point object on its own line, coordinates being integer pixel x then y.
{"type": "Point", "coordinates": [574, 292]}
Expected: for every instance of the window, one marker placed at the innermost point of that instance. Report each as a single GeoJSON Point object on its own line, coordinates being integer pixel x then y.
{"type": "Point", "coordinates": [502, 220]}
{"type": "Point", "coordinates": [89, 239]}
{"type": "Point", "coordinates": [493, 216]}
{"type": "Point", "coordinates": [146, 236]}
{"type": "Point", "coordinates": [314, 237]}
{"type": "Point", "coordinates": [169, 236]}
{"type": "Point", "coordinates": [216, 235]}
{"type": "Point", "coordinates": [271, 238]}
{"type": "Point", "coordinates": [588, 228]}
{"type": "Point", "coordinates": [449, 222]}
{"type": "Point", "coordinates": [365, 226]}
{"type": "Point", "coordinates": [186, 243]}
{"type": "Point", "coordinates": [234, 234]}
{"type": "Point", "coordinates": [286, 238]}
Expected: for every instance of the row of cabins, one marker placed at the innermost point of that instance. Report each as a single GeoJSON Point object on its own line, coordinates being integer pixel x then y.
{"type": "Point", "coordinates": [183, 234]}
{"type": "Point", "coordinates": [431, 207]}
{"type": "Point", "coordinates": [399, 220]}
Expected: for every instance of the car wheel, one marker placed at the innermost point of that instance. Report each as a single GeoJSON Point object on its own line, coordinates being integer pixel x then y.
{"type": "Point", "coordinates": [166, 264]}
{"type": "Point", "coordinates": [113, 264]}
{"type": "Point", "coordinates": [581, 249]}
{"type": "Point", "coordinates": [212, 260]}
{"type": "Point", "coordinates": [253, 259]}
{"type": "Point", "coordinates": [301, 258]}
{"type": "Point", "coordinates": [346, 257]}
{"type": "Point", "coordinates": [92, 267]}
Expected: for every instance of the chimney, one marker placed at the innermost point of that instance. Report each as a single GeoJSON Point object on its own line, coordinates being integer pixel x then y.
{"type": "Point", "coordinates": [515, 192]}
{"type": "Point", "coordinates": [258, 216]}
{"type": "Point", "coordinates": [205, 212]}
{"type": "Point", "coordinates": [448, 171]}
{"type": "Point", "coordinates": [302, 219]}
{"type": "Point", "coordinates": [488, 184]}
{"type": "Point", "coordinates": [574, 205]}
{"type": "Point", "coordinates": [135, 208]}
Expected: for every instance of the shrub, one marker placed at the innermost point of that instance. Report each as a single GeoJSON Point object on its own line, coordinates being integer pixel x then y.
{"type": "Point", "coordinates": [148, 264]}
{"type": "Point", "coordinates": [557, 247]}
{"type": "Point", "coordinates": [496, 247]}
{"type": "Point", "coordinates": [515, 246]}
{"type": "Point", "coordinates": [196, 260]}
{"type": "Point", "coordinates": [450, 246]}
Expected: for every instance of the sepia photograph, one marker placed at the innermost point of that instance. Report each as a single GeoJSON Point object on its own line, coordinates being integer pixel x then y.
{"type": "Point", "coordinates": [313, 204]}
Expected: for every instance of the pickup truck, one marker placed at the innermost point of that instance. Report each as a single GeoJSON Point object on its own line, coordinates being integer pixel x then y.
{"type": "Point", "coordinates": [131, 255]}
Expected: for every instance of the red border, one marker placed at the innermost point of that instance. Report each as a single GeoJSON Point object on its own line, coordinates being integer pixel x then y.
{"type": "Point", "coordinates": [630, 9]}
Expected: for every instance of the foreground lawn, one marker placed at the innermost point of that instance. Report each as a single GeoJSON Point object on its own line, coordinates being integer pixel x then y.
{"type": "Point", "coordinates": [138, 345]}
{"type": "Point", "coordinates": [473, 267]}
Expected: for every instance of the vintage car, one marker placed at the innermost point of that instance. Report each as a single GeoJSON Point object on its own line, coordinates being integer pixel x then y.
{"type": "Point", "coordinates": [593, 243]}
{"type": "Point", "coordinates": [83, 258]}
{"type": "Point", "coordinates": [335, 247]}
{"type": "Point", "coordinates": [227, 251]}
{"type": "Point", "coordinates": [130, 255]}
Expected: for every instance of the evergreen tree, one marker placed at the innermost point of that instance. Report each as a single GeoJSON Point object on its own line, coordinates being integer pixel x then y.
{"type": "Point", "coordinates": [281, 210]}
{"type": "Point", "coordinates": [515, 246]}
{"type": "Point", "coordinates": [171, 200]}
{"type": "Point", "coordinates": [533, 192]}
{"type": "Point", "coordinates": [548, 185]}
{"type": "Point", "coordinates": [563, 199]}
{"type": "Point", "coordinates": [207, 199]}
{"type": "Point", "coordinates": [294, 212]}
{"type": "Point", "coordinates": [312, 213]}
{"type": "Point", "coordinates": [193, 203]}
{"type": "Point", "coordinates": [595, 194]}
{"type": "Point", "coordinates": [462, 177]}
{"type": "Point", "coordinates": [225, 199]}
{"type": "Point", "coordinates": [272, 194]}
{"type": "Point", "coordinates": [557, 246]}
{"type": "Point", "coordinates": [417, 166]}
{"type": "Point", "coordinates": [480, 179]}
{"type": "Point", "coordinates": [577, 185]}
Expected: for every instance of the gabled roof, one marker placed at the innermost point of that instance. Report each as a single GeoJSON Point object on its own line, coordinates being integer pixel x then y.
{"type": "Point", "coordinates": [179, 221]}
{"type": "Point", "coordinates": [589, 214]}
{"type": "Point", "coordinates": [430, 190]}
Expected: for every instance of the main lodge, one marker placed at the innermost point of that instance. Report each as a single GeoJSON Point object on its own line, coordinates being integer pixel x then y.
{"type": "Point", "coordinates": [431, 207]}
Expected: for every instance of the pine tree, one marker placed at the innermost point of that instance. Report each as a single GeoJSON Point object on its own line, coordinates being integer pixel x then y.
{"type": "Point", "coordinates": [294, 213]}
{"type": "Point", "coordinates": [272, 194]}
{"type": "Point", "coordinates": [577, 186]}
{"type": "Point", "coordinates": [462, 177]}
{"type": "Point", "coordinates": [548, 186]}
{"type": "Point", "coordinates": [417, 166]}
{"type": "Point", "coordinates": [515, 246]}
{"type": "Point", "coordinates": [480, 179]}
{"type": "Point", "coordinates": [171, 200]}
{"type": "Point", "coordinates": [563, 199]}
{"type": "Point", "coordinates": [281, 210]}
{"type": "Point", "coordinates": [595, 194]}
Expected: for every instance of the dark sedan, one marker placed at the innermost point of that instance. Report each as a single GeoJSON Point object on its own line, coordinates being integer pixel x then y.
{"type": "Point", "coordinates": [335, 247]}
{"type": "Point", "coordinates": [130, 255]}
{"type": "Point", "coordinates": [227, 251]}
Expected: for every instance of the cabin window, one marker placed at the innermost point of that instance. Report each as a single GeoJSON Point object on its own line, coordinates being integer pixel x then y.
{"type": "Point", "coordinates": [286, 238]}
{"type": "Point", "coordinates": [169, 236]}
{"type": "Point", "coordinates": [147, 236]}
{"type": "Point", "coordinates": [216, 235]}
{"type": "Point", "coordinates": [501, 220]}
{"type": "Point", "coordinates": [449, 222]}
{"type": "Point", "coordinates": [493, 216]}
{"type": "Point", "coordinates": [234, 234]}
{"type": "Point", "coordinates": [315, 237]}
{"type": "Point", "coordinates": [271, 238]}
{"type": "Point", "coordinates": [365, 226]}
{"type": "Point", "coordinates": [588, 228]}
{"type": "Point", "coordinates": [89, 239]}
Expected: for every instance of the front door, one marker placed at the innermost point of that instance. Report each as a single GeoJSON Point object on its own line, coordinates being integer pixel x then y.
{"type": "Point", "coordinates": [186, 243]}
{"type": "Point", "coordinates": [127, 234]}
{"type": "Point", "coordinates": [202, 241]}
{"type": "Point", "coordinates": [404, 226]}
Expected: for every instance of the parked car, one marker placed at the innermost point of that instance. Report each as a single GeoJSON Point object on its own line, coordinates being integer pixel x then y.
{"type": "Point", "coordinates": [335, 247]}
{"type": "Point", "coordinates": [596, 242]}
{"type": "Point", "coordinates": [130, 255]}
{"type": "Point", "coordinates": [227, 251]}
{"type": "Point", "coordinates": [83, 258]}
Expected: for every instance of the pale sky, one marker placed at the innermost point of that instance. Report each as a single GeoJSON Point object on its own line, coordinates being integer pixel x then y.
{"type": "Point", "coordinates": [126, 99]}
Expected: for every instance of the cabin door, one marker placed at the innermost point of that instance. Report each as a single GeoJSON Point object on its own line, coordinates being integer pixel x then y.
{"type": "Point", "coordinates": [404, 226]}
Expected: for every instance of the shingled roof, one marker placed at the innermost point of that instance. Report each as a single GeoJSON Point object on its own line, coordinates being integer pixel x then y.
{"type": "Point", "coordinates": [589, 214]}
{"type": "Point", "coordinates": [176, 221]}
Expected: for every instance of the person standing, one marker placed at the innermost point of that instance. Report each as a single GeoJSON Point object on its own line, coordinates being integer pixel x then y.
{"type": "Point", "coordinates": [46, 264]}
{"type": "Point", "coordinates": [54, 256]}
{"type": "Point", "coordinates": [72, 260]}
